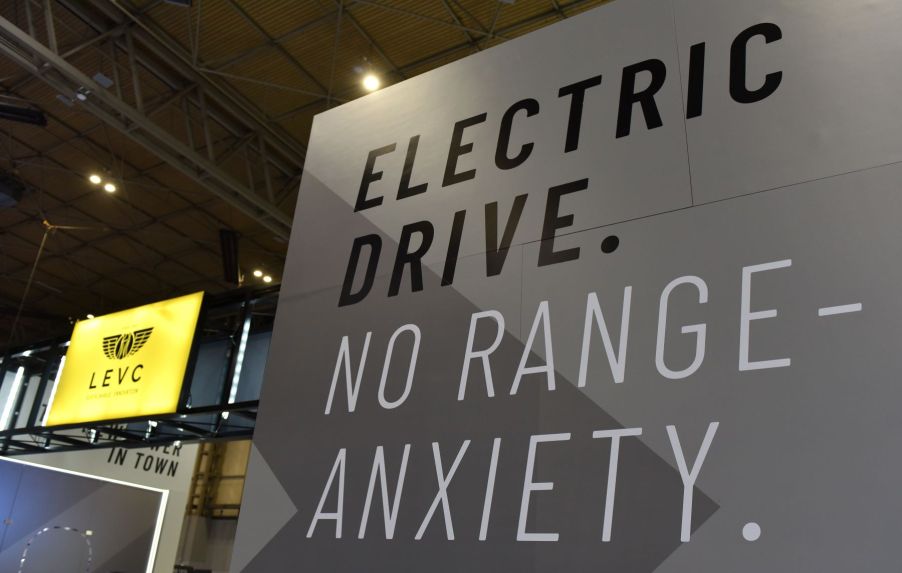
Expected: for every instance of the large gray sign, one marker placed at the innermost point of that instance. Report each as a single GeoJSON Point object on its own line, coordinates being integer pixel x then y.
{"type": "Point", "coordinates": [619, 295]}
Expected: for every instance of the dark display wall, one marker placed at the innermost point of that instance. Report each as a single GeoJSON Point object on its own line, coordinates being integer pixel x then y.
{"type": "Point", "coordinates": [55, 522]}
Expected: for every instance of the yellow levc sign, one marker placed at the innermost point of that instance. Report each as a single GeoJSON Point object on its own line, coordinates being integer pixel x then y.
{"type": "Point", "coordinates": [127, 364]}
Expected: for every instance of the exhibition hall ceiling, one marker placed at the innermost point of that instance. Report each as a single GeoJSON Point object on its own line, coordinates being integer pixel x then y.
{"type": "Point", "coordinates": [198, 112]}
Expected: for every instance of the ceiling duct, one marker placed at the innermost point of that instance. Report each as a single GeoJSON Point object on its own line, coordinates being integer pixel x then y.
{"type": "Point", "coordinates": [228, 242]}
{"type": "Point", "coordinates": [22, 114]}
{"type": "Point", "coordinates": [12, 189]}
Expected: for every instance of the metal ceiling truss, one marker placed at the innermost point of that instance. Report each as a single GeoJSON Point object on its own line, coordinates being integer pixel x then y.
{"type": "Point", "coordinates": [201, 94]}
{"type": "Point", "coordinates": [204, 103]}
{"type": "Point", "coordinates": [110, 235]}
{"type": "Point", "coordinates": [402, 72]}
{"type": "Point", "coordinates": [200, 424]}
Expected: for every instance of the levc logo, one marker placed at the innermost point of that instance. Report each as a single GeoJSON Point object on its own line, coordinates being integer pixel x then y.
{"type": "Point", "coordinates": [122, 346]}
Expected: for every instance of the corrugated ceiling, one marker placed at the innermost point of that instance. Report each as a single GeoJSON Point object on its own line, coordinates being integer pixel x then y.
{"type": "Point", "coordinates": [157, 236]}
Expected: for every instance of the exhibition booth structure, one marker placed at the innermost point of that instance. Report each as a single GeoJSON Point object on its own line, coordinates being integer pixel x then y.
{"type": "Point", "coordinates": [620, 294]}
{"type": "Point", "coordinates": [124, 399]}
{"type": "Point", "coordinates": [183, 370]}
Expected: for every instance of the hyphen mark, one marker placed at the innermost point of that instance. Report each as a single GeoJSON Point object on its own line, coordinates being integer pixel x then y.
{"type": "Point", "coordinates": [842, 309]}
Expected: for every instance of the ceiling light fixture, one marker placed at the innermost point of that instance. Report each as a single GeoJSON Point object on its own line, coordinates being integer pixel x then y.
{"type": "Point", "coordinates": [103, 180]}
{"type": "Point", "coordinates": [258, 273]}
{"type": "Point", "coordinates": [102, 80]}
{"type": "Point", "coordinates": [371, 82]}
{"type": "Point", "coordinates": [267, 279]}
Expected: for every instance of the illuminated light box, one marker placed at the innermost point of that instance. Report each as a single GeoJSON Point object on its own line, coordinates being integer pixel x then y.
{"type": "Point", "coordinates": [126, 364]}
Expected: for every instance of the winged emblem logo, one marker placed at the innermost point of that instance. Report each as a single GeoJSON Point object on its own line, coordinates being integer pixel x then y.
{"type": "Point", "coordinates": [122, 346]}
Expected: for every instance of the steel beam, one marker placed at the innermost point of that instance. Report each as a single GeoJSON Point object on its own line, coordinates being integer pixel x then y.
{"type": "Point", "coordinates": [424, 17]}
{"type": "Point", "coordinates": [152, 38]}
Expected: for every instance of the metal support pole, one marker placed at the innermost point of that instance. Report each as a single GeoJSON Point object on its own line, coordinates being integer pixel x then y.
{"type": "Point", "coordinates": [205, 124]}
{"type": "Point", "coordinates": [38, 396]}
{"type": "Point", "coordinates": [133, 66]}
{"type": "Point", "coordinates": [51, 28]}
{"type": "Point", "coordinates": [266, 175]}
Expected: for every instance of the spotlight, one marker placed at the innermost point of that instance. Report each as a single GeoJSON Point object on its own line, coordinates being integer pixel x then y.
{"type": "Point", "coordinates": [95, 179]}
{"type": "Point", "coordinates": [371, 82]}
{"type": "Point", "coordinates": [109, 187]}
{"type": "Point", "coordinates": [267, 279]}
{"type": "Point", "coordinates": [90, 316]}
{"type": "Point", "coordinates": [258, 273]}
